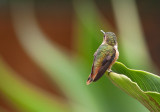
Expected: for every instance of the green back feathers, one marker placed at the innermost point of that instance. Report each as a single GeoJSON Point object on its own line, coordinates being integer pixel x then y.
{"type": "Point", "coordinates": [102, 52]}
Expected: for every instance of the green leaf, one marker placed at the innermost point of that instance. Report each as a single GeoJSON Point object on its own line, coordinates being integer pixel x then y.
{"type": "Point", "coordinates": [143, 86]}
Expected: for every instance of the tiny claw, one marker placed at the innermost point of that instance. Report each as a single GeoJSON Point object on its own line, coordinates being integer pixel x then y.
{"type": "Point", "coordinates": [109, 72]}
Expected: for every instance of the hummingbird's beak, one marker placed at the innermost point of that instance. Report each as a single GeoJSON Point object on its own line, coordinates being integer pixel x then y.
{"type": "Point", "coordinates": [103, 32]}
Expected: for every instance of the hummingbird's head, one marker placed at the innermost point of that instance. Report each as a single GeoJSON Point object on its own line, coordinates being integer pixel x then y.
{"type": "Point", "coordinates": [110, 38]}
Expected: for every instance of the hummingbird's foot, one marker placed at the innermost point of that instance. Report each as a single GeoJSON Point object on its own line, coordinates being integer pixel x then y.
{"type": "Point", "coordinates": [109, 71]}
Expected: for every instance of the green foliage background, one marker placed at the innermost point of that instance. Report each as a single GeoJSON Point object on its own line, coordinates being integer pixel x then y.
{"type": "Point", "coordinates": [71, 71]}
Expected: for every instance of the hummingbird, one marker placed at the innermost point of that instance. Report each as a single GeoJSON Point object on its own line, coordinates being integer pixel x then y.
{"type": "Point", "coordinates": [104, 57]}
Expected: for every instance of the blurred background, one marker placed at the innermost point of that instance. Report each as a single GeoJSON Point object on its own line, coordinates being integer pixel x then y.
{"type": "Point", "coordinates": [47, 47]}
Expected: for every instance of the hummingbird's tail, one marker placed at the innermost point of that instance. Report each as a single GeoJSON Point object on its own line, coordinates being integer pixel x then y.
{"type": "Point", "coordinates": [89, 80]}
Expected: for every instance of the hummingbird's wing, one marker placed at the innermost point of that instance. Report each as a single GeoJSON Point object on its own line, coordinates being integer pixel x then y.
{"type": "Point", "coordinates": [105, 65]}
{"type": "Point", "coordinates": [103, 59]}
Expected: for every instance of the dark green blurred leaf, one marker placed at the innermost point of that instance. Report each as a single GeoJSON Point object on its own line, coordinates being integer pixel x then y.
{"type": "Point", "coordinates": [132, 45]}
{"type": "Point", "coordinates": [26, 97]}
